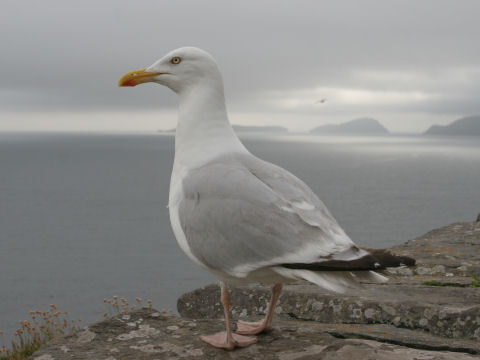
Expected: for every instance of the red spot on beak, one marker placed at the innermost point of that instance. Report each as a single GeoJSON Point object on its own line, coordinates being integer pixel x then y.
{"type": "Point", "coordinates": [129, 82]}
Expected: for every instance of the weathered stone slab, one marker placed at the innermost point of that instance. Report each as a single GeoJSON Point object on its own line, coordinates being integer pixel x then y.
{"type": "Point", "coordinates": [446, 311]}
{"type": "Point", "coordinates": [399, 336]}
{"type": "Point", "coordinates": [453, 250]}
{"type": "Point", "coordinates": [147, 334]}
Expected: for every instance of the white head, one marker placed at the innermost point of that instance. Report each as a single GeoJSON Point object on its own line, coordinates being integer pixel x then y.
{"type": "Point", "coordinates": [180, 70]}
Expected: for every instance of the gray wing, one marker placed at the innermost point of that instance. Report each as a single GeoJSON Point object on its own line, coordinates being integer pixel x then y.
{"type": "Point", "coordinates": [240, 213]}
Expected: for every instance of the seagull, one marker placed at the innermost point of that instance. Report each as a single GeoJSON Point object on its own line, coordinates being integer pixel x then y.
{"type": "Point", "coordinates": [241, 218]}
{"type": "Point", "coordinates": [322, 101]}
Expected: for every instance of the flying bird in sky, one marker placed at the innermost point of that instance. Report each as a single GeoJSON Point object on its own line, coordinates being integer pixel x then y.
{"type": "Point", "coordinates": [243, 219]}
{"type": "Point", "coordinates": [322, 101]}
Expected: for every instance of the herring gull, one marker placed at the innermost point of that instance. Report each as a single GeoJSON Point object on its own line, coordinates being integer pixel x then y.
{"type": "Point", "coordinates": [243, 219]}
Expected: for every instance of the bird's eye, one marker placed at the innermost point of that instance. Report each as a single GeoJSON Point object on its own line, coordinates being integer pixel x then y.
{"type": "Point", "coordinates": [175, 60]}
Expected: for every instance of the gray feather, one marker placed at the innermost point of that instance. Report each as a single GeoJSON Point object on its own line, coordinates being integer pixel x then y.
{"type": "Point", "coordinates": [239, 210]}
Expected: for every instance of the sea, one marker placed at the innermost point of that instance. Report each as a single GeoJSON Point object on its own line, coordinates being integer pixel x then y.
{"type": "Point", "coordinates": [84, 216]}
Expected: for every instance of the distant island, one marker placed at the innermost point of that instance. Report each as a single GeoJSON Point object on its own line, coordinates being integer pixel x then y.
{"type": "Point", "coordinates": [363, 126]}
{"type": "Point", "coordinates": [466, 126]}
{"type": "Point", "coordinates": [275, 129]}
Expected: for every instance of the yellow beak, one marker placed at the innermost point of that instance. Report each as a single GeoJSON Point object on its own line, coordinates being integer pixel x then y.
{"type": "Point", "coordinates": [136, 77]}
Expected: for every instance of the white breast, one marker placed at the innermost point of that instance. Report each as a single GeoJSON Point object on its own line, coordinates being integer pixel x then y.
{"type": "Point", "coordinates": [175, 197]}
{"type": "Point", "coordinates": [194, 147]}
{"type": "Point", "coordinates": [180, 235]}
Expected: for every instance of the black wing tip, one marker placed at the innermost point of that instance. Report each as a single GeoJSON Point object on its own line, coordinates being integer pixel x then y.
{"type": "Point", "coordinates": [367, 262]}
{"type": "Point", "coordinates": [407, 261]}
{"type": "Point", "coordinates": [388, 259]}
{"type": "Point", "coordinates": [377, 259]}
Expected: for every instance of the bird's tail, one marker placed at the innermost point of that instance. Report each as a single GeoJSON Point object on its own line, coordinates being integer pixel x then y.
{"type": "Point", "coordinates": [337, 281]}
{"type": "Point", "coordinates": [339, 275]}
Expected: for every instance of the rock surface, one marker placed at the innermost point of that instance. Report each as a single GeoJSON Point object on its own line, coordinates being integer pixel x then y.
{"type": "Point", "coordinates": [446, 311]}
{"type": "Point", "coordinates": [147, 334]}
{"type": "Point", "coordinates": [402, 319]}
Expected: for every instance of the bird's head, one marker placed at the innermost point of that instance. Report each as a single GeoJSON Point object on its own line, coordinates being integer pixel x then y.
{"type": "Point", "coordinates": [180, 70]}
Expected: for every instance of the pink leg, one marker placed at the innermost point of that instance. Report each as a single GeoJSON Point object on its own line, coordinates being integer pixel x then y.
{"type": "Point", "coordinates": [226, 339]}
{"type": "Point", "coordinates": [250, 328]}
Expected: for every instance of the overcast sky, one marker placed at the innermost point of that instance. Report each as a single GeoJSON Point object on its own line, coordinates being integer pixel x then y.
{"type": "Point", "coordinates": [408, 64]}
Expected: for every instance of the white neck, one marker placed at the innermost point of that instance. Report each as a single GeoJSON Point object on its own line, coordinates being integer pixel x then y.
{"type": "Point", "coordinates": [203, 130]}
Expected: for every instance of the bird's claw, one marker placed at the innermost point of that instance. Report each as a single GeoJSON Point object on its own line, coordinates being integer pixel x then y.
{"type": "Point", "coordinates": [251, 328]}
{"type": "Point", "coordinates": [222, 341]}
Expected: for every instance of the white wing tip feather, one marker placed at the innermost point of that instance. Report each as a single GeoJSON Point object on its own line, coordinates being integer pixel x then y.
{"type": "Point", "coordinates": [336, 281]}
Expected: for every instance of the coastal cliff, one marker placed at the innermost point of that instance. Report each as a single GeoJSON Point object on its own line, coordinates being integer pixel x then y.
{"type": "Point", "coordinates": [430, 311]}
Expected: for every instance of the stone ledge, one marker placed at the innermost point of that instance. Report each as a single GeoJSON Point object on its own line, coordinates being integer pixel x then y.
{"type": "Point", "coordinates": [149, 335]}
{"type": "Point", "coordinates": [449, 312]}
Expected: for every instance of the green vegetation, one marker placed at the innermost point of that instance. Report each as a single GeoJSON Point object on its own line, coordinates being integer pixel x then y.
{"type": "Point", "coordinates": [475, 283]}
{"type": "Point", "coordinates": [439, 283]}
{"type": "Point", "coordinates": [42, 327]}
{"type": "Point", "coordinates": [115, 307]}
{"type": "Point", "coordinates": [46, 325]}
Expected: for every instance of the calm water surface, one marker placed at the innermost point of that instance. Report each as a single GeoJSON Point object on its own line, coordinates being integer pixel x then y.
{"type": "Point", "coordinates": [83, 217]}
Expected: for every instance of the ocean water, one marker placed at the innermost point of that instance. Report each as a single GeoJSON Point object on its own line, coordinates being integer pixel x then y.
{"type": "Point", "coordinates": [83, 216]}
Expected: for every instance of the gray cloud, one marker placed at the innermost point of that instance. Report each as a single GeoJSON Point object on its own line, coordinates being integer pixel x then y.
{"type": "Point", "coordinates": [68, 56]}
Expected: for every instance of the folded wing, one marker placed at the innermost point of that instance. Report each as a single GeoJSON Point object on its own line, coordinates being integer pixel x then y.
{"type": "Point", "coordinates": [240, 213]}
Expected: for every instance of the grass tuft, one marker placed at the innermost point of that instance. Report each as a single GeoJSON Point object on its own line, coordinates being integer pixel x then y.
{"type": "Point", "coordinates": [475, 283]}
{"type": "Point", "coordinates": [42, 327]}
{"type": "Point", "coordinates": [118, 305]}
{"type": "Point", "coordinates": [440, 283]}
